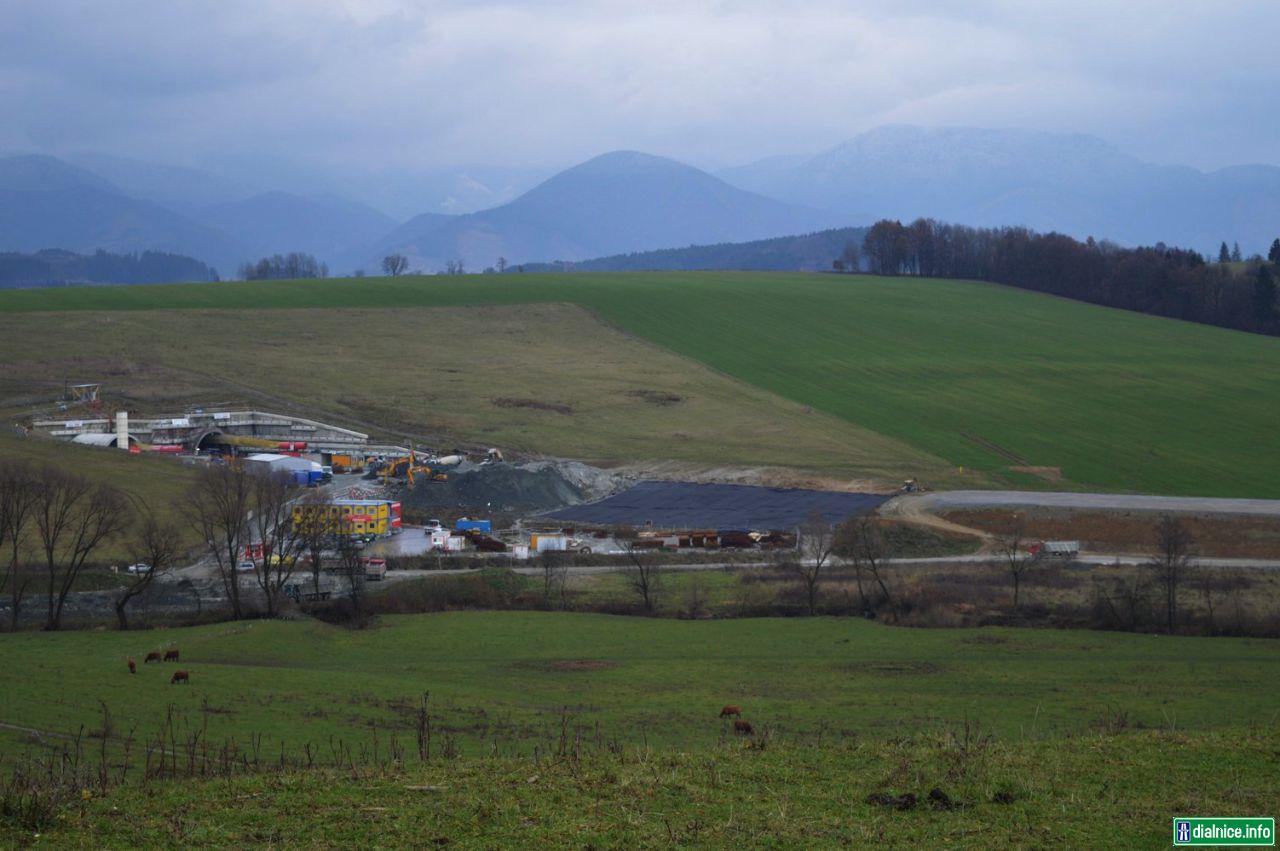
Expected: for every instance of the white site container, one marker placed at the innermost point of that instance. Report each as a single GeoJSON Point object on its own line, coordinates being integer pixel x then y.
{"type": "Point", "coordinates": [549, 543]}
{"type": "Point", "coordinates": [440, 539]}
{"type": "Point", "coordinates": [455, 543]}
{"type": "Point", "coordinates": [520, 552]}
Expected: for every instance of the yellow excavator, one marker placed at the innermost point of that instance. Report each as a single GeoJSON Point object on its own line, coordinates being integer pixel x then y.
{"type": "Point", "coordinates": [407, 467]}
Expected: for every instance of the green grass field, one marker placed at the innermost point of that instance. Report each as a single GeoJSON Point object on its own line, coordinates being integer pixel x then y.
{"type": "Point", "coordinates": [985, 377]}
{"type": "Point", "coordinates": [1094, 791]}
{"type": "Point", "coordinates": [508, 677]}
{"type": "Point", "coordinates": [1090, 738]}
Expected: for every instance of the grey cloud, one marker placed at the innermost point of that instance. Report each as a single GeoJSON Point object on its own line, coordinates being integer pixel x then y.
{"type": "Point", "coordinates": [358, 84]}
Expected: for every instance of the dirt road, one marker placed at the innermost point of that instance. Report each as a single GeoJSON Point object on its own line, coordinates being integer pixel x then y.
{"type": "Point", "coordinates": [915, 505]}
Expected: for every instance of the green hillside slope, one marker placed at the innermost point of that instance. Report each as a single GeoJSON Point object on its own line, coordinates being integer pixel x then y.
{"type": "Point", "coordinates": [986, 377]}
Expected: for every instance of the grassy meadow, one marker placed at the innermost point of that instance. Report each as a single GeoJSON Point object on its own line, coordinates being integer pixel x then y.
{"type": "Point", "coordinates": [509, 678]}
{"type": "Point", "coordinates": [1098, 790]}
{"type": "Point", "coordinates": [549, 378]}
{"type": "Point", "coordinates": [1023, 388]}
{"type": "Point", "coordinates": [590, 729]}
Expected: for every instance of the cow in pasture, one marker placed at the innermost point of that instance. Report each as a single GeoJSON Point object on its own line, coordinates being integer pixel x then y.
{"type": "Point", "coordinates": [153, 656]}
{"type": "Point", "coordinates": [171, 655]}
{"type": "Point", "coordinates": [731, 710]}
{"type": "Point", "coordinates": [743, 728]}
{"type": "Point", "coordinates": [133, 666]}
{"type": "Point", "coordinates": [180, 677]}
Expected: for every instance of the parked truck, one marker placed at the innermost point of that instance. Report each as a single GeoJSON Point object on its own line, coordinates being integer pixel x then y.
{"type": "Point", "coordinates": [375, 569]}
{"type": "Point", "coordinates": [1055, 549]}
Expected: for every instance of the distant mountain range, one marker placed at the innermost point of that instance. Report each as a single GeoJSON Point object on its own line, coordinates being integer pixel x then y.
{"type": "Point", "coordinates": [47, 203]}
{"type": "Point", "coordinates": [618, 202]}
{"type": "Point", "coordinates": [626, 203]}
{"type": "Point", "coordinates": [810, 252]}
{"type": "Point", "coordinates": [1073, 184]}
{"type": "Point", "coordinates": [332, 229]}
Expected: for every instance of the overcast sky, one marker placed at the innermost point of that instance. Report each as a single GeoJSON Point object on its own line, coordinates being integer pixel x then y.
{"type": "Point", "coordinates": [345, 84]}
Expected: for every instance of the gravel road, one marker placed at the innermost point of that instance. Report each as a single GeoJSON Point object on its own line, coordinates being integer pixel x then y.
{"type": "Point", "coordinates": [952, 500]}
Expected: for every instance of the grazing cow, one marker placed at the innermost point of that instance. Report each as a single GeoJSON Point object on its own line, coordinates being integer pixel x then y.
{"type": "Point", "coordinates": [743, 728]}
{"type": "Point", "coordinates": [133, 666]}
{"type": "Point", "coordinates": [731, 710]}
{"type": "Point", "coordinates": [180, 677]}
{"type": "Point", "coordinates": [171, 655]}
{"type": "Point", "coordinates": [153, 656]}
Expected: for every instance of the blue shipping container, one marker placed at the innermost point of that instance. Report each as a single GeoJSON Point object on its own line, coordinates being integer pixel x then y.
{"type": "Point", "coordinates": [465, 525]}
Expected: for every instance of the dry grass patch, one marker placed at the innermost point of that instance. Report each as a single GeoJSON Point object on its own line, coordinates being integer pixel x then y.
{"type": "Point", "coordinates": [1134, 531]}
{"type": "Point", "coordinates": [547, 378]}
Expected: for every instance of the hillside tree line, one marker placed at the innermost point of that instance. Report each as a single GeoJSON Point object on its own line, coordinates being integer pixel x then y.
{"type": "Point", "coordinates": [53, 267]}
{"type": "Point", "coordinates": [1159, 280]}
{"type": "Point", "coordinates": [283, 267]}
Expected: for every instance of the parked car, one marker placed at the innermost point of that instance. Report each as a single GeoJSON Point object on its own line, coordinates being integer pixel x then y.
{"type": "Point", "coordinates": [138, 568]}
{"type": "Point", "coordinates": [245, 566]}
{"type": "Point", "coordinates": [433, 525]}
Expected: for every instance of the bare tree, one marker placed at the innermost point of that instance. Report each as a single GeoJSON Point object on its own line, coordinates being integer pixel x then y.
{"type": "Point", "coordinates": [502, 264]}
{"type": "Point", "coordinates": [157, 544]}
{"type": "Point", "coordinates": [860, 540]}
{"type": "Point", "coordinates": [315, 531]}
{"type": "Point", "coordinates": [645, 573]}
{"type": "Point", "coordinates": [1011, 545]}
{"type": "Point", "coordinates": [555, 574]}
{"type": "Point", "coordinates": [73, 517]}
{"type": "Point", "coordinates": [816, 541]}
{"type": "Point", "coordinates": [218, 507]}
{"type": "Point", "coordinates": [395, 264]}
{"type": "Point", "coordinates": [1171, 562]}
{"type": "Point", "coordinates": [351, 566]}
{"type": "Point", "coordinates": [17, 499]}
{"type": "Point", "coordinates": [273, 498]}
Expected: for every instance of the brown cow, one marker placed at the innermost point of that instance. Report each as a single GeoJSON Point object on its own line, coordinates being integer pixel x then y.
{"type": "Point", "coordinates": [133, 666]}
{"type": "Point", "coordinates": [731, 710]}
{"type": "Point", "coordinates": [171, 655]}
{"type": "Point", "coordinates": [743, 728]}
{"type": "Point", "coordinates": [153, 656]}
{"type": "Point", "coordinates": [180, 677]}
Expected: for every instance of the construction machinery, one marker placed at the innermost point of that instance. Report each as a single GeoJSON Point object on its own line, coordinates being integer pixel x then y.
{"type": "Point", "coordinates": [407, 467]}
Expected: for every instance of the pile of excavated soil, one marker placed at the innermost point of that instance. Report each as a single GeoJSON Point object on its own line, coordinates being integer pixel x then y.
{"type": "Point", "coordinates": [524, 488]}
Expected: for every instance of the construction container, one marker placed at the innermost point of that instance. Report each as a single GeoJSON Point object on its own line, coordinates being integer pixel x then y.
{"type": "Point", "coordinates": [465, 524]}
{"type": "Point", "coordinates": [455, 543]}
{"type": "Point", "coordinates": [520, 552]}
{"type": "Point", "coordinates": [359, 518]}
{"type": "Point", "coordinates": [344, 463]}
{"type": "Point", "coordinates": [544, 543]}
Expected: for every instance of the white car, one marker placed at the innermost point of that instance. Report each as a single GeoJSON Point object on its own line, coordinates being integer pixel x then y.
{"type": "Point", "coordinates": [138, 568]}
{"type": "Point", "coordinates": [433, 526]}
{"type": "Point", "coordinates": [245, 566]}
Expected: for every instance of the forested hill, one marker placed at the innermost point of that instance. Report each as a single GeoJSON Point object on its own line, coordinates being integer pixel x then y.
{"type": "Point", "coordinates": [1161, 280]}
{"type": "Point", "coordinates": [806, 252]}
{"type": "Point", "coordinates": [53, 267]}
